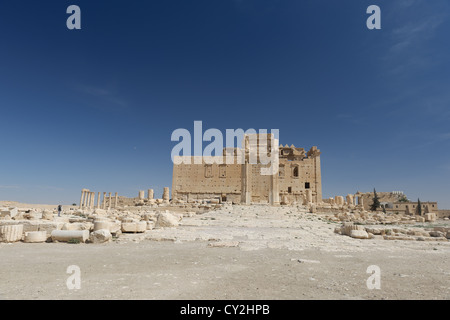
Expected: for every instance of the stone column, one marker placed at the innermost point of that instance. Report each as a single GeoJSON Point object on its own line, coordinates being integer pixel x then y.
{"type": "Point", "coordinates": [98, 200]}
{"type": "Point", "coordinates": [246, 183]}
{"type": "Point", "coordinates": [349, 199]}
{"type": "Point", "coordinates": [309, 198]}
{"type": "Point", "coordinates": [141, 194]}
{"type": "Point", "coordinates": [274, 193]}
{"type": "Point", "coordinates": [92, 200]}
{"type": "Point", "coordinates": [151, 194]}
{"type": "Point", "coordinates": [166, 194]}
{"type": "Point", "coordinates": [104, 201]}
{"type": "Point", "coordinates": [88, 197]}
{"type": "Point", "coordinates": [81, 199]}
{"type": "Point", "coordinates": [361, 201]}
{"type": "Point", "coordinates": [116, 200]}
{"type": "Point", "coordinates": [110, 200]}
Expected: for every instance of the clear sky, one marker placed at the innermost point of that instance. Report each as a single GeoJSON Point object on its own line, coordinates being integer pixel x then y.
{"type": "Point", "coordinates": [95, 108]}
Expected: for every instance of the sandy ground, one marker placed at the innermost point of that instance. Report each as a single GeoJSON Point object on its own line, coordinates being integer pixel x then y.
{"type": "Point", "coordinates": [237, 252]}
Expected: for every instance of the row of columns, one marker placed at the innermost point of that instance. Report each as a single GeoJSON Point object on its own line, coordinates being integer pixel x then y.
{"type": "Point", "coordinates": [150, 194]}
{"type": "Point", "coordinates": [87, 200]}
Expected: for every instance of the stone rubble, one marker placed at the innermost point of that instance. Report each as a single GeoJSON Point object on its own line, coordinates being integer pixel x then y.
{"type": "Point", "coordinates": [175, 222]}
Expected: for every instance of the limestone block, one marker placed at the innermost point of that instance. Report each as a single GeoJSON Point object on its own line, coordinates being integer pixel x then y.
{"type": "Point", "coordinates": [359, 234]}
{"type": "Point", "coordinates": [47, 215]}
{"type": "Point", "coordinates": [115, 227]}
{"type": "Point", "coordinates": [166, 220]}
{"type": "Point", "coordinates": [99, 225]}
{"type": "Point", "coordinates": [436, 234]}
{"type": "Point", "coordinates": [100, 212]}
{"type": "Point", "coordinates": [35, 236]}
{"type": "Point", "coordinates": [11, 212]}
{"type": "Point", "coordinates": [430, 217]}
{"type": "Point", "coordinates": [76, 219]}
{"type": "Point", "coordinates": [375, 231]}
{"type": "Point", "coordinates": [33, 215]}
{"type": "Point", "coordinates": [29, 226]}
{"type": "Point", "coordinates": [77, 226]}
{"type": "Point", "coordinates": [150, 225]}
{"type": "Point", "coordinates": [400, 230]}
{"type": "Point", "coordinates": [418, 233]}
{"type": "Point", "coordinates": [348, 227]}
{"type": "Point", "coordinates": [420, 219]}
{"type": "Point", "coordinates": [11, 233]}
{"type": "Point", "coordinates": [50, 226]}
{"type": "Point", "coordinates": [68, 235]}
{"type": "Point", "coordinates": [134, 226]}
{"type": "Point", "coordinates": [100, 236]}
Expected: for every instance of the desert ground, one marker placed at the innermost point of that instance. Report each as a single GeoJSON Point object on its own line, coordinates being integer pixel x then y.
{"type": "Point", "coordinates": [235, 252]}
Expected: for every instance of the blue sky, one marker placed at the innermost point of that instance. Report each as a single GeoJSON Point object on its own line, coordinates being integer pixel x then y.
{"type": "Point", "coordinates": [95, 108]}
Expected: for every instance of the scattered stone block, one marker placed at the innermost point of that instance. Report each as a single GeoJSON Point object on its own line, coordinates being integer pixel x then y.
{"type": "Point", "coordinates": [100, 236]}
{"type": "Point", "coordinates": [11, 233]}
{"type": "Point", "coordinates": [99, 225]}
{"type": "Point", "coordinates": [35, 236]}
{"type": "Point", "coordinates": [134, 227]}
{"type": "Point", "coordinates": [420, 219]}
{"type": "Point", "coordinates": [430, 217]}
{"type": "Point", "coordinates": [359, 234]}
{"type": "Point", "coordinates": [437, 234]}
{"type": "Point", "coordinates": [47, 215]}
{"type": "Point", "coordinates": [11, 212]}
{"type": "Point", "coordinates": [77, 226]}
{"type": "Point", "coordinates": [166, 220]}
{"type": "Point", "coordinates": [150, 225]}
{"type": "Point", "coordinates": [101, 212]}
{"type": "Point", "coordinates": [70, 235]}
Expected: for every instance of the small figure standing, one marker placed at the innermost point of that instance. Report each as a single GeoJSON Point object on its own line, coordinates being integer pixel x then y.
{"type": "Point", "coordinates": [59, 210]}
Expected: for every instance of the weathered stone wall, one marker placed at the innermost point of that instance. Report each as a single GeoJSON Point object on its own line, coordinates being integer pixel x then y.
{"type": "Point", "coordinates": [206, 178]}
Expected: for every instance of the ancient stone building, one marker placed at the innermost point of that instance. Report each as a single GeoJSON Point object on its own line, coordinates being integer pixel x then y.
{"type": "Point", "coordinates": [291, 174]}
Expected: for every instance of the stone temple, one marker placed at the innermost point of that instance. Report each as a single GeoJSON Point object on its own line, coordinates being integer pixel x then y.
{"type": "Point", "coordinates": [298, 178]}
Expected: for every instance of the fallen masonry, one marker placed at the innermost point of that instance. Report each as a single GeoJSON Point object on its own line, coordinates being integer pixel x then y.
{"type": "Point", "coordinates": [85, 226]}
{"type": "Point", "coordinates": [163, 222]}
{"type": "Point", "coordinates": [393, 233]}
